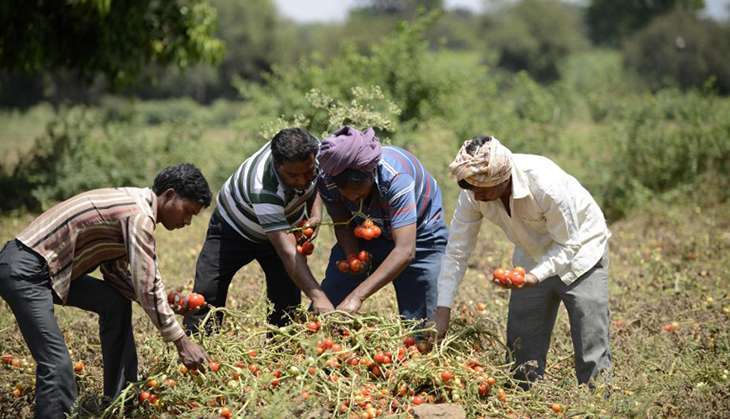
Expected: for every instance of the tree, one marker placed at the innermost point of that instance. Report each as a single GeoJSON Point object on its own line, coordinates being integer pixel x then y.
{"type": "Point", "coordinates": [610, 21]}
{"type": "Point", "coordinates": [534, 36]}
{"type": "Point", "coordinates": [682, 50]}
{"type": "Point", "coordinates": [110, 37]}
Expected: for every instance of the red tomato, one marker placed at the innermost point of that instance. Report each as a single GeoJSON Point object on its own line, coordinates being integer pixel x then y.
{"type": "Point", "coordinates": [214, 366]}
{"type": "Point", "coordinates": [78, 367]}
{"type": "Point", "coordinates": [363, 256]}
{"type": "Point", "coordinates": [447, 376]}
{"type": "Point", "coordinates": [499, 274]}
{"type": "Point", "coordinates": [308, 232]}
{"type": "Point", "coordinates": [376, 232]}
{"type": "Point", "coordinates": [516, 278]}
{"type": "Point", "coordinates": [327, 343]}
{"type": "Point", "coordinates": [368, 233]}
{"type": "Point", "coordinates": [484, 389]}
{"type": "Point", "coordinates": [343, 266]}
{"type": "Point", "coordinates": [225, 413]}
{"type": "Point", "coordinates": [7, 359]}
{"type": "Point", "coordinates": [417, 400]}
{"type": "Point", "coordinates": [358, 231]}
{"type": "Point", "coordinates": [277, 373]}
{"type": "Point", "coordinates": [379, 358]}
{"type": "Point", "coordinates": [313, 326]}
{"type": "Point", "coordinates": [409, 341]}
{"type": "Point", "coordinates": [252, 353]}
{"type": "Point", "coordinates": [520, 269]}
{"type": "Point", "coordinates": [556, 407]}
{"type": "Point", "coordinates": [144, 396]}
{"type": "Point", "coordinates": [195, 301]}
{"type": "Point", "coordinates": [356, 265]}
{"type": "Point", "coordinates": [307, 248]}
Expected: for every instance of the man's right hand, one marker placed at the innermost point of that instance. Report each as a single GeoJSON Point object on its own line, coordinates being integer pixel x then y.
{"type": "Point", "coordinates": [322, 304]}
{"type": "Point", "coordinates": [191, 354]}
{"type": "Point", "coordinates": [441, 317]}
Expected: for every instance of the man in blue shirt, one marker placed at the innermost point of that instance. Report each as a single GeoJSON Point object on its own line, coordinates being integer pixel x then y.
{"type": "Point", "coordinates": [361, 180]}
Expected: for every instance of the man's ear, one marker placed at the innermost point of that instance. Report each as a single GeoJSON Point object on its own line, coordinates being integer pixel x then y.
{"type": "Point", "coordinates": [169, 194]}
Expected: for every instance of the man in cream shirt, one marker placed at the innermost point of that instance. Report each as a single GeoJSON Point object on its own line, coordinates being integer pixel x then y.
{"type": "Point", "coordinates": [561, 239]}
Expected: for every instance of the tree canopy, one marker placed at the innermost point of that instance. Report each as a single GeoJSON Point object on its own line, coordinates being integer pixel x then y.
{"type": "Point", "coordinates": [113, 38]}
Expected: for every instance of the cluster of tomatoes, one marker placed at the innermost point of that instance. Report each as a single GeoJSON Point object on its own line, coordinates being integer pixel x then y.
{"type": "Point", "coordinates": [182, 303]}
{"type": "Point", "coordinates": [514, 278]}
{"type": "Point", "coordinates": [355, 263]}
{"type": "Point", "coordinates": [304, 233]}
{"type": "Point", "coordinates": [368, 230]}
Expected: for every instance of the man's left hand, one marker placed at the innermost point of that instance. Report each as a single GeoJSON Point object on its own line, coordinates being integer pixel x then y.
{"type": "Point", "coordinates": [351, 304]}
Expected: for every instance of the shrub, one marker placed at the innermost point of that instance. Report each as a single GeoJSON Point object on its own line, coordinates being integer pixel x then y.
{"type": "Point", "coordinates": [682, 50]}
{"type": "Point", "coordinates": [535, 36]}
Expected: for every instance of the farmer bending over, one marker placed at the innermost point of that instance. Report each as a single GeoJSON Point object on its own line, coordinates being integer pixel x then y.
{"type": "Point", "coordinates": [389, 186]}
{"type": "Point", "coordinates": [257, 206]}
{"type": "Point", "coordinates": [112, 229]}
{"type": "Point", "coordinates": [560, 238]}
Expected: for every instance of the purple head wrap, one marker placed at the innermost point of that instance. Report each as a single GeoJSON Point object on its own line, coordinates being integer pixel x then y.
{"type": "Point", "coordinates": [349, 148]}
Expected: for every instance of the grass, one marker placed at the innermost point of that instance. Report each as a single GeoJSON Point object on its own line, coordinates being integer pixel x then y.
{"type": "Point", "coordinates": [667, 264]}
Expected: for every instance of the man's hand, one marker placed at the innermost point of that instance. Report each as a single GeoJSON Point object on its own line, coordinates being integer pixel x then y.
{"type": "Point", "coordinates": [441, 317]}
{"type": "Point", "coordinates": [350, 304]}
{"type": "Point", "coordinates": [531, 280]}
{"type": "Point", "coordinates": [322, 304]}
{"type": "Point", "coordinates": [191, 354]}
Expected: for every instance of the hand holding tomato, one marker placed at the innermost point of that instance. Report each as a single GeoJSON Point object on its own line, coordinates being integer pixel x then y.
{"type": "Point", "coordinates": [514, 278]}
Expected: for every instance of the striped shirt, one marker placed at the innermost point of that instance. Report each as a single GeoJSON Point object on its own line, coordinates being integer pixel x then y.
{"type": "Point", "coordinates": [405, 194]}
{"type": "Point", "coordinates": [111, 229]}
{"type": "Point", "coordinates": [254, 201]}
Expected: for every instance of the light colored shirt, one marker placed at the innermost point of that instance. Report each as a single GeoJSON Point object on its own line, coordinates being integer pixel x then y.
{"type": "Point", "coordinates": [112, 229]}
{"type": "Point", "coordinates": [254, 201]}
{"type": "Point", "coordinates": [556, 226]}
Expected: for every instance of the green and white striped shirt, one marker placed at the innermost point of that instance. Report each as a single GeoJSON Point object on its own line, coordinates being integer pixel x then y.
{"type": "Point", "coordinates": [254, 201]}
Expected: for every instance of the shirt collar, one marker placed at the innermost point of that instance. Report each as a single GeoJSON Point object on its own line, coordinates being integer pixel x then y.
{"type": "Point", "coordinates": [151, 200]}
{"type": "Point", "coordinates": [520, 183]}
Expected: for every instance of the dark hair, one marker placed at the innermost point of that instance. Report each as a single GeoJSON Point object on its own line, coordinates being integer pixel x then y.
{"type": "Point", "coordinates": [352, 177]}
{"type": "Point", "coordinates": [186, 180]}
{"type": "Point", "coordinates": [471, 148]}
{"type": "Point", "coordinates": [293, 144]}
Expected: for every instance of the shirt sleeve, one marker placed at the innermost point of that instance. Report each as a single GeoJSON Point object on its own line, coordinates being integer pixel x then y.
{"type": "Point", "coordinates": [402, 201]}
{"type": "Point", "coordinates": [463, 234]}
{"type": "Point", "coordinates": [562, 224]}
{"type": "Point", "coordinates": [149, 289]}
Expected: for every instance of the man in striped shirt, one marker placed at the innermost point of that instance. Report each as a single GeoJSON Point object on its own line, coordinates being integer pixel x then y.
{"type": "Point", "coordinates": [391, 187]}
{"type": "Point", "coordinates": [112, 229]}
{"type": "Point", "coordinates": [270, 192]}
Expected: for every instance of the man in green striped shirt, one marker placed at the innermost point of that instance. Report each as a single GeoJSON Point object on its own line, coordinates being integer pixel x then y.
{"type": "Point", "coordinates": [271, 191]}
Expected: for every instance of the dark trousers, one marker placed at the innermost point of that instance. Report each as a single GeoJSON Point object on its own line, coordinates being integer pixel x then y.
{"type": "Point", "coordinates": [26, 287]}
{"type": "Point", "coordinates": [415, 287]}
{"type": "Point", "coordinates": [224, 253]}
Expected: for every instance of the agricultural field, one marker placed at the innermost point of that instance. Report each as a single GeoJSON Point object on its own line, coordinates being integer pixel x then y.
{"type": "Point", "coordinates": [670, 305]}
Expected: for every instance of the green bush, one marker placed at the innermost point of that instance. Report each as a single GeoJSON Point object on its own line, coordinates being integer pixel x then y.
{"type": "Point", "coordinates": [667, 141]}
{"type": "Point", "coordinates": [534, 36]}
{"type": "Point", "coordinates": [682, 50]}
